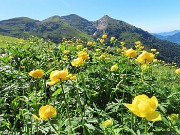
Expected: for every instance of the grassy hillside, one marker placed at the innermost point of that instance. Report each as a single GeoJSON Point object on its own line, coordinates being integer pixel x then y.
{"type": "Point", "coordinates": [88, 89]}
{"type": "Point", "coordinates": [81, 23]}
{"type": "Point", "coordinates": [5, 40]}
{"type": "Point", "coordinates": [56, 28]}
{"type": "Point", "coordinates": [127, 33]}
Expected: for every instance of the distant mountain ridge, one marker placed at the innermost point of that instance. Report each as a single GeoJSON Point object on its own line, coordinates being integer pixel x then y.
{"type": "Point", "coordinates": [55, 28]}
{"type": "Point", "coordinates": [172, 36]}
{"type": "Point", "coordinates": [167, 33]}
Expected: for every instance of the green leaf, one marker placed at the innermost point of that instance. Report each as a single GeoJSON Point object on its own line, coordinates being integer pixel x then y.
{"type": "Point", "coordinates": [89, 126]}
{"type": "Point", "coordinates": [57, 92]}
{"type": "Point", "coordinates": [50, 70]}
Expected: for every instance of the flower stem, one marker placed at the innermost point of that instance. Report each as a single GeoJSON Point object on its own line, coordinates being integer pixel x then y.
{"type": "Point", "coordinates": [54, 127]}
{"type": "Point", "coordinates": [79, 101]}
{"type": "Point", "coordinates": [145, 127]}
{"type": "Point", "coordinates": [132, 121]}
{"type": "Point", "coordinates": [67, 109]}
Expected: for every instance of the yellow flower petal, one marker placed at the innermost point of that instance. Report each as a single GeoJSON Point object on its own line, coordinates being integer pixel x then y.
{"type": "Point", "coordinates": [46, 112]}
{"type": "Point", "coordinates": [83, 55]}
{"type": "Point", "coordinates": [145, 58]}
{"type": "Point", "coordinates": [104, 36]}
{"type": "Point", "coordinates": [77, 62]}
{"type": "Point", "coordinates": [36, 117]}
{"type": "Point", "coordinates": [52, 82]}
{"type": "Point", "coordinates": [55, 75]}
{"type": "Point", "coordinates": [129, 106]}
{"type": "Point", "coordinates": [155, 116]}
{"type": "Point", "coordinates": [130, 53]}
{"type": "Point", "coordinates": [36, 73]}
{"type": "Point", "coordinates": [154, 99]}
{"type": "Point", "coordinates": [143, 106]}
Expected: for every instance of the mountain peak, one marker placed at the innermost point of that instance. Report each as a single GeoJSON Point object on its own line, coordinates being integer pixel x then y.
{"type": "Point", "coordinates": [20, 19]}
{"type": "Point", "coordinates": [54, 18]}
{"type": "Point", "coordinates": [103, 22]}
{"type": "Point", "coordinates": [71, 15]}
{"type": "Point", "coordinates": [106, 17]}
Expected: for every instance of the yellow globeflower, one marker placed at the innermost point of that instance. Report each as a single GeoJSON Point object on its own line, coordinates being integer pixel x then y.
{"type": "Point", "coordinates": [138, 43]}
{"type": "Point", "coordinates": [144, 67]}
{"type": "Point", "coordinates": [107, 59]}
{"type": "Point", "coordinates": [114, 67]}
{"type": "Point", "coordinates": [23, 66]}
{"type": "Point", "coordinates": [155, 60]}
{"type": "Point", "coordinates": [157, 53]}
{"type": "Point", "coordinates": [102, 40]}
{"type": "Point", "coordinates": [122, 43]}
{"type": "Point", "coordinates": [83, 55]}
{"type": "Point", "coordinates": [112, 39]}
{"type": "Point", "coordinates": [153, 50]}
{"type": "Point", "coordinates": [77, 62]}
{"type": "Point", "coordinates": [118, 49]}
{"type": "Point", "coordinates": [57, 76]}
{"type": "Point", "coordinates": [145, 107]}
{"type": "Point", "coordinates": [173, 117]}
{"type": "Point", "coordinates": [90, 43]}
{"type": "Point", "coordinates": [79, 47]}
{"type": "Point", "coordinates": [104, 36]}
{"type": "Point", "coordinates": [66, 52]}
{"type": "Point", "coordinates": [37, 73]}
{"type": "Point", "coordinates": [103, 56]}
{"type": "Point", "coordinates": [46, 112]}
{"type": "Point", "coordinates": [107, 123]}
{"type": "Point", "coordinates": [177, 71]}
{"type": "Point", "coordinates": [84, 49]}
{"type": "Point", "coordinates": [98, 50]}
{"type": "Point", "coordinates": [73, 77]}
{"type": "Point", "coordinates": [145, 58]}
{"type": "Point", "coordinates": [130, 53]}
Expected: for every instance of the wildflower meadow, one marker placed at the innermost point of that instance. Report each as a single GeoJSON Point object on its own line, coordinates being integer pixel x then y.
{"type": "Point", "coordinates": [78, 87]}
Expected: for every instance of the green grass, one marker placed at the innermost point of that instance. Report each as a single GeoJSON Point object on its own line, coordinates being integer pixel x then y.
{"type": "Point", "coordinates": [94, 103]}
{"type": "Point", "coordinates": [166, 75]}
{"type": "Point", "coordinates": [5, 40]}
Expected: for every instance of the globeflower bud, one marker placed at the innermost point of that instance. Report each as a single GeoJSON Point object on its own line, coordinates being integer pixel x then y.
{"type": "Point", "coordinates": [114, 67]}
{"type": "Point", "coordinates": [177, 71]}
{"type": "Point", "coordinates": [107, 123]}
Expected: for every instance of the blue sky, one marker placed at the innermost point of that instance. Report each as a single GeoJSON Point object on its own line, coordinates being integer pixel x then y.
{"type": "Point", "coordinates": [150, 15]}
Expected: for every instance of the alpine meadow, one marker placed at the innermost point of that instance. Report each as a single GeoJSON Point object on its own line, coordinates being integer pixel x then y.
{"type": "Point", "coordinates": [70, 76]}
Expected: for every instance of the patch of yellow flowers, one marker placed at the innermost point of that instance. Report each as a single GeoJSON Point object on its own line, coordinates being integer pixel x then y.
{"type": "Point", "coordinates": [80, 61]}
